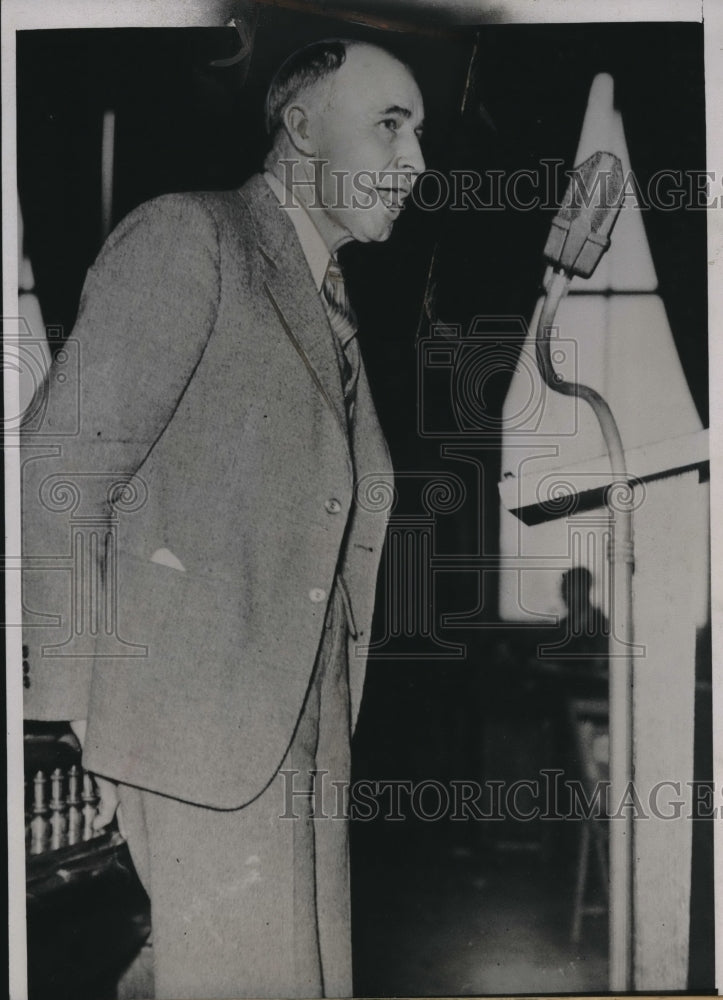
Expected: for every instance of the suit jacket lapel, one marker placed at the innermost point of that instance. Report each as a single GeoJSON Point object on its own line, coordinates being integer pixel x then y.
{"type": "Point", "coordinates": [291, 291]}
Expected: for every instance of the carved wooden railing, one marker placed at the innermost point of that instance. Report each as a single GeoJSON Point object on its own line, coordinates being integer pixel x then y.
{"type": "Point", "coordinates": [87, 915]}
{"type": "Point", "coordinates": [61, 843]}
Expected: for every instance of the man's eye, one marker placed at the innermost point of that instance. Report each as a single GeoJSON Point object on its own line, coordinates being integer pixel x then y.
{"type": "Point", "coordinates": [391, 123]}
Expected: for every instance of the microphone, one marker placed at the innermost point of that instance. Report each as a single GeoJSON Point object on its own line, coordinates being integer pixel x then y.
{"type": "Point", "coordinates": [580, 233]}
{"type": "Point", "coordinates": [579, 237]}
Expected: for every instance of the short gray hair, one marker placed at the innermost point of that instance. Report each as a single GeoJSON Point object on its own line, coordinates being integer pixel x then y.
{"type": "Point", "coordinates": [302, 69]}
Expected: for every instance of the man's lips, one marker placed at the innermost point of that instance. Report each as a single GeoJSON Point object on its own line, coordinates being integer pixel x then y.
{"type": "Point", "coordinates": [393, 198]}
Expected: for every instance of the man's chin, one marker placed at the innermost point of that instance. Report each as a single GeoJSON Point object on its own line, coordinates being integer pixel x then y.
{"type": "Point", "coordinates": [380, 234]}
{"type": "Point", "coordinates": [378, 225]}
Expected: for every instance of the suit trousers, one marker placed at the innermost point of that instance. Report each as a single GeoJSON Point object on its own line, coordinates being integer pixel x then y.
{"type": "Point", "coordinates": [254, 902]}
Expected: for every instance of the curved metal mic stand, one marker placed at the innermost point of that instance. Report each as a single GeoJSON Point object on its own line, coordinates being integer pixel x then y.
{"type": "Point", "coordinates": [620, 554]}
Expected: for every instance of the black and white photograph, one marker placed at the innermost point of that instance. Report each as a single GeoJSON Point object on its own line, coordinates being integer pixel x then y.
{"type": "Point", "coordinates": [362, 620]}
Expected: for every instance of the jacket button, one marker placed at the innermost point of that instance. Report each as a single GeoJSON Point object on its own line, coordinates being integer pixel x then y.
{"type": "Point", "coordinates": [317, 595]}
{"type": "Point", "coordinates": [333, 505]}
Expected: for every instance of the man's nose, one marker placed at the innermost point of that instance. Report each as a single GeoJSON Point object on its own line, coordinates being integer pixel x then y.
{"type": "Point", "coordinates": [410, 156]}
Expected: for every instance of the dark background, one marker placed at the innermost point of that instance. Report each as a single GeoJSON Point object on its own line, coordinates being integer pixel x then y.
{"type": "Point", "coordinates": [184, 124]}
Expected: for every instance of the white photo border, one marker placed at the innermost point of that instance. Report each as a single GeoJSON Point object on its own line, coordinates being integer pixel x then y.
{"type": "Point", "coordinates": [17, 15]}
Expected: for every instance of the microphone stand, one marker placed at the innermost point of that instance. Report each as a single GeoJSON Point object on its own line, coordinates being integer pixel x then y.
{"type": "Point", "coordinates": [619, 503]}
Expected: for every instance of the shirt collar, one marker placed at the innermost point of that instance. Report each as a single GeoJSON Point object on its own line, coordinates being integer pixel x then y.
{"type": "Point", "coordinates": [315, 249]}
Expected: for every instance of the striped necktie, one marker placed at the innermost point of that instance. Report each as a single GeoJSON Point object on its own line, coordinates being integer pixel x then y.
{"type": "Point", "coordinates": [343, 323]}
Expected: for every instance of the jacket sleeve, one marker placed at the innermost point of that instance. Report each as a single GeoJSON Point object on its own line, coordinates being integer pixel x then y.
{"type": "Point", "coordinates": [147, 309]}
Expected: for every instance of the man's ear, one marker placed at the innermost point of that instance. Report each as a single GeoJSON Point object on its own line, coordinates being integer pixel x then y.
{"type": "Point", "coordinates": [296, 122]}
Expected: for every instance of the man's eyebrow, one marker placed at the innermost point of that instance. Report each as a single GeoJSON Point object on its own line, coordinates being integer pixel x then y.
{"type": "Point", "coordinates": [396, 109]}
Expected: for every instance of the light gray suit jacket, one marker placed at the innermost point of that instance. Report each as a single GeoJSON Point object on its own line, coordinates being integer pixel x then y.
{"type": "Point", "coordinates": [210, 424]}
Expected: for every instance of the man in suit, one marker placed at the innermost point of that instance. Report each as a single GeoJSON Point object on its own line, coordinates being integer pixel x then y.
{"type": "Point", "coordinates": [201, 546]}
